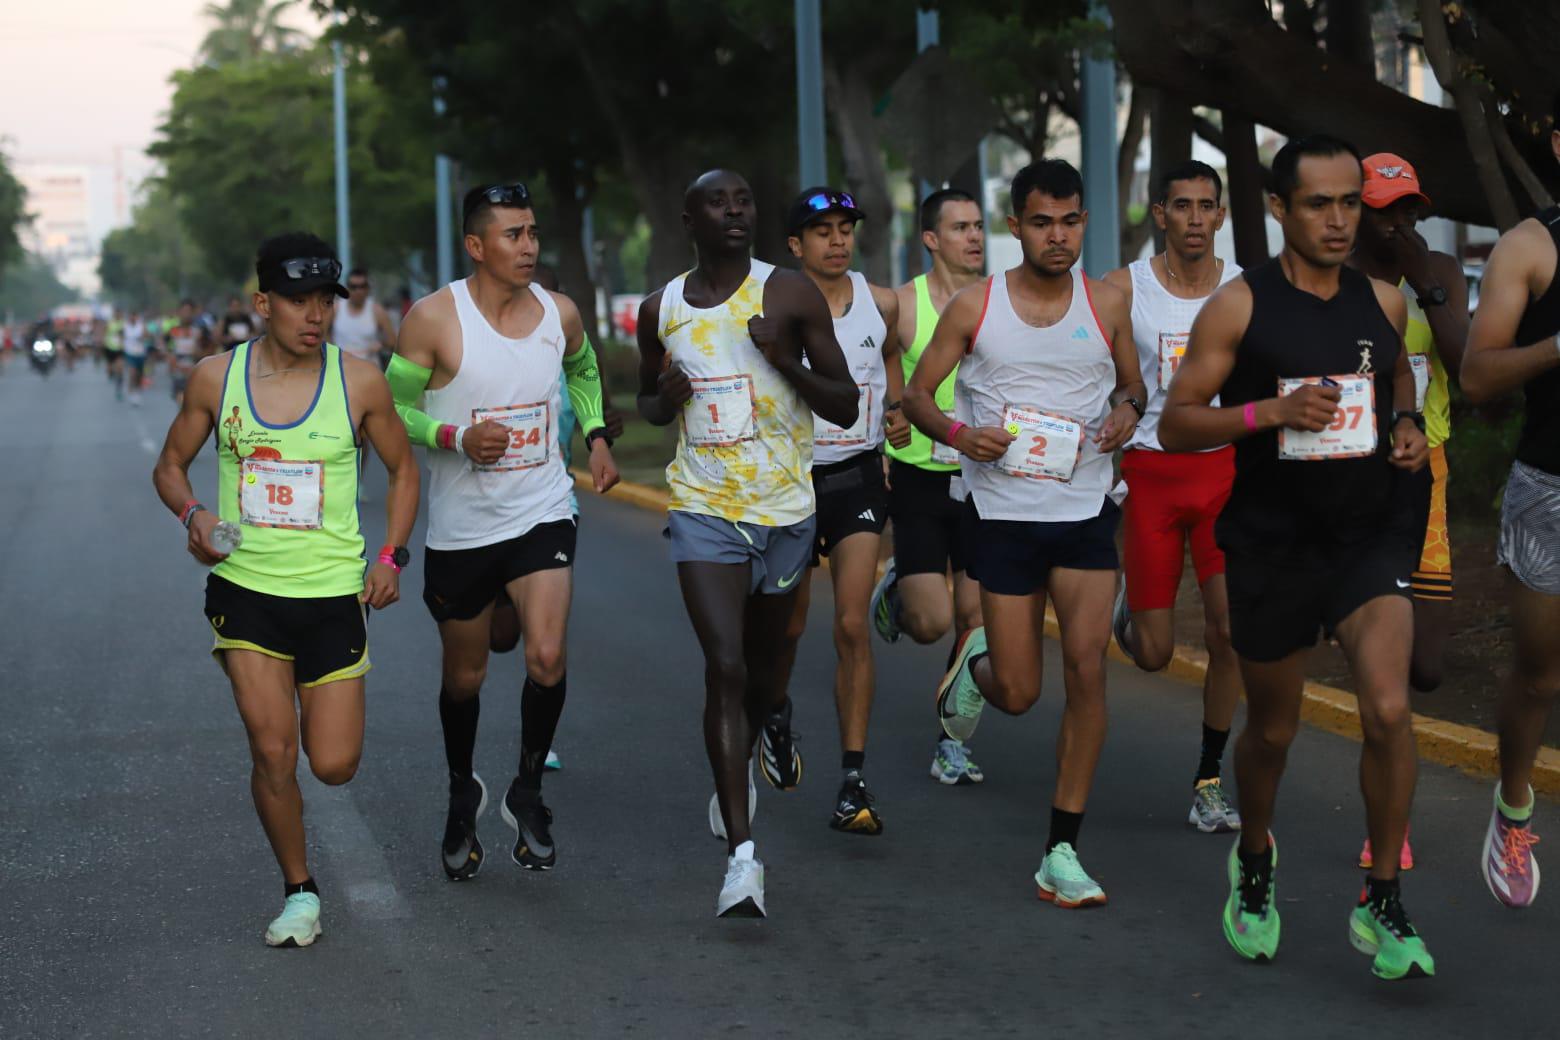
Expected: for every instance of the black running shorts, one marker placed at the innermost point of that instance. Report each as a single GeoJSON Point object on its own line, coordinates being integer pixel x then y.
{"type": "Point", "coordinates": [459, 584]}
{"type": "Point", "coordinates": [851, 499]}
{"type": "Point", "coordinates": [929, 527]}
{"type": "Point", "coordinates": [326, 639]}
{"type": "Point", "coordinates": [1016, 557]}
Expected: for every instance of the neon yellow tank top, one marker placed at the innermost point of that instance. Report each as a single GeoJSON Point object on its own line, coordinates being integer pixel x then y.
{"type": "Point", "coordinates": [921, 449]}
{"type": "Point", "coordinates": [292, 488]}
{"type": "Point", "coordinates": [1420, 341]}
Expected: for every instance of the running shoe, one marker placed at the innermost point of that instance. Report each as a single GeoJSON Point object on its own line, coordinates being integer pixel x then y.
{"type": "Point", "coordinates": [959, 701]}
{"type": "Point", "coordinates": [1250, 917]}
{"type": "Point", "coordinates": [1509, 866]}
{"type": "Point", "coordinates": [951, 764]}
{"type": "Point", "coordinates": [1120, 618]}
{"type": "Point", "coordinates": [462, 852]}
{"type": "Point", "coordinates": [742, 893]}
{"type": "Point", "coordinates": [885, 605]}
{"type": "Point", "coordinates": [1405, 855]}
{"type": "Point", "coordinates": [532, 823]}
{"type": "Point", "coordinates": [1063, 881]}
{"type": "Point", "coordinates": [298, 924]}
{"type": "Point", "coordinates": [717, 824]}
{"type": "Point", "coordinates": [1381, 929]}
{"type": "Point", "coordinates": [553, 761]}
{"type": "Point", "coordinates": [854, 813]}
{"type": "Point", "coordinates": [781, 759]}
{"type": "Point", "coordinates": [1212, 812]}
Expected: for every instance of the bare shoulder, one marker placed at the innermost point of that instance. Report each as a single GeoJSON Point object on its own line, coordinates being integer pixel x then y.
{"type": "Point", "coordinates": [432, 311]}
{"type": "Point", "coordinates": [360, 374]}
{"type": "Point", "coordinates": [1392, 301]}
{"type": "Point", "coordinates": [568, 312]}
{"type": "Point", "coordinates": [1121, 278]}
{"type": "Point", "coordinates": [887, 302]}
{"type": "Point", "coordinates": [208, 378]}
{"type": "Point", "coordinates": [650, 306]}
{"type": "Point", "coordinates": [1228, 309]}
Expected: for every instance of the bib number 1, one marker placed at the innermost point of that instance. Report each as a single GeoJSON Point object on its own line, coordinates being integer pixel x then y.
{"type": "Point", "coordinates": [720, 413]}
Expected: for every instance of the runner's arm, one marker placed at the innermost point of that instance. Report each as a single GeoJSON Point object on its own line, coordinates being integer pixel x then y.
{"type": "Point", "coordinates": [895, 426]}
{"type": "Point", "coordinates": [1410, 446]}
{"type": "Point", "coordinates": [1113, 308]}
{"type": "Point", "coordinates": [188, 432]}
{"type": "Point", "coordinates": [663, 386]}
{"type": "Point", "coordinates": [950, 341]}
{"type": "Point", "coordinates": [1449, 321]}
{"type": "Point", "coordinates": [409, 373]}
{"type": "Point", "coordinates": [581, 374]}
{"type": "Point", "coordinates": [1494, 364]}
{"type": "Point", "coordinates": [382, 428]}
{"type": "Point", "coordinates": [824, 383]}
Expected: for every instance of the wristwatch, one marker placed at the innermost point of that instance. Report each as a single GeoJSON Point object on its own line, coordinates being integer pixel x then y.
{"type": "Point", "coordinates": [1435, 296]}
{"type": "Point", "coordinates": [600, 431]}
{"type": "Point", "coordinates": [1137, 406]}
{"type": "Point", "coordinates": [1417, 418]}
{"type": "Point", "coordinates": [401, 555]}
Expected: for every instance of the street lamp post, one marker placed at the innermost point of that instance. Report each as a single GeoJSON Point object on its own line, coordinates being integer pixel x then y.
{"type": "Point", "coordinates": [443, 233]}
{"type": "Point", "coordinates": [811, 153]}
{"type": "Point", "coordinates": [1102, 236]}
{"type": "Point", "coordinates": [343, 213]}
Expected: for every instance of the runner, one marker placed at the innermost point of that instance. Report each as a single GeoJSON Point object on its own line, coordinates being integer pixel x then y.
{"type": "Point", "coordinates": [925, 500]}
{"type": "Point", "coordinates": [721, 353]}
{"type": "Point", "coordinates": [1390, 250]}
{"type": "Point", "coordinates": [137, 344]}
{"type": "Point", "coordinates": [1305, 354]}
{"type": "Point", "coordinates": [288, 605]}
{"type": "Point", "coordinates": [1512, 344]}
{"type": "Point", "coordinates": [1175, 499]}
{"type": "Point", "coordinates": [114, 351]}
{"type": "Point", "coordinates": [1048, 387]}
{"type": "Point", "coordinates": [360, 325]}
{"type": "Point", "coordinates": [188, 342]}
{"type": "Point", "coordinates": [237, 324]}
{"type": "Point", "coordinates": [489, 354]}
{"type": "Point", "coordinates": [847, 476]}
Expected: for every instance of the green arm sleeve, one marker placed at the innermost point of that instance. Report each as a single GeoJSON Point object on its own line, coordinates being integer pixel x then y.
{"type": "Point", "coordinates": [407, 382]}
{"type": "Point", "coordinates": [584, 382]}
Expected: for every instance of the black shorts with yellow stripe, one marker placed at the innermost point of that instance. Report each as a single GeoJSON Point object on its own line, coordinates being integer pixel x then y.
{"type": "Point", "coordinates": [326, 639]}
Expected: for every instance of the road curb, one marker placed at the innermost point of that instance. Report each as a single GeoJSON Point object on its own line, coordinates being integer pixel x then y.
{"type": "Point", "coordinates": [1337, 711]}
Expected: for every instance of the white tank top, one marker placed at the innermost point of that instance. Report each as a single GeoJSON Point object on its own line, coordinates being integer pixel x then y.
{"type": "Point", "coordinates": [356, 334]}
{"type": "Point", "coordinates": [860, 334]}
{"type": "Point", "coordinates": [1050, 387]}
{"type": "Point", "coordinates": [135, 338]}
{"type": "Point", "coordinates": [1161, 325]}
{"type": "Point", "coordinates": [744, 442]}
{"type": "Point", "coordinates": [517, 382]}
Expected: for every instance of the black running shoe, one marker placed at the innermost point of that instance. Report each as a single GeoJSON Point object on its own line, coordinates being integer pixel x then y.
{"type": "Point", "coordinates": [462, 852]}
{"type": "Point", "coordinates": [780, 760]}
{"type": "Point", "coordinates": [854, 813]}
{"type": "Point", "coordinates": [523, 810]}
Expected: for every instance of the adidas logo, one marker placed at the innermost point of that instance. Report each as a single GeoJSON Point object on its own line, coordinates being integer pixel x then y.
{"type": "Point", "coordinates": [1080, 333]}
{"type": "Point", "coordinates": [867, 515]}
{"type": "Point", "coordinates": [562, 557]}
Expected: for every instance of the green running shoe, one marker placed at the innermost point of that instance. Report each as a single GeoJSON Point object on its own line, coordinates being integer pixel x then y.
{"type": "Point", "coordinates": [1382, 930]}
{"type": "Point", "coordinates": [1250, 918]}
{"type": "Point", "coordinates": [959, 701]}
{"type": "Point", "coordinates": [1063, 881]}
{"type": "Point", "coordinates": [298, 924]}
{"type": "Point", "coordinates": [884, 608]}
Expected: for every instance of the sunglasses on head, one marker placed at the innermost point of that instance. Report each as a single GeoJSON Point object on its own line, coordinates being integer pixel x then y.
{"type": "Point", "coordinates": [310, 267]}
{"type": "Point", "coordinates": [516, 195]}
{"type": "Point", "coordinates": [827, 200]}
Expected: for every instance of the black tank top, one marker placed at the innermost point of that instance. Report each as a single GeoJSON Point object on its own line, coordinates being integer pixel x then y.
{"type": "Point", "coordinates": [1539, 445]}
{"type": "Point", "coordinates": [1292, 334]}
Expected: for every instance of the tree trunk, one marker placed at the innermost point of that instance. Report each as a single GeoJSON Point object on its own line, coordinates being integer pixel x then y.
{"type": "Point", "coordinates": [1133, 233]}
{"type": "Point", "coordinates": [568, 213]}
{"type": "Point", "coordinates": [1247, 198]}
{"type": "Point", "coordinates": [849, 97]}
{"type": "Point", "coordinates": [1170, 144]}
{"type": "Point", "coordinates": [1349, 36]}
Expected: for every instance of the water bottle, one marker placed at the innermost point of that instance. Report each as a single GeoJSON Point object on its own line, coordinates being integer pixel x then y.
{"type": "Point", "coordinates": [226, 537]}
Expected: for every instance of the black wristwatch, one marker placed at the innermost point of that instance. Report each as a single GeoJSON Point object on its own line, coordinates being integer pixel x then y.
{"type": "Point", "coordinates": [1434, 297]}
{"type": "Point", "coordinates": [892, 406]}
{"type": "Point", "coordinates": [1137, 406]}
{"type": "Point", "coordinates": [402, 556]}
{"type": "Point", "coordinates": [1417, 418]}
{"type": "Point", "coordinates": [600, 431]}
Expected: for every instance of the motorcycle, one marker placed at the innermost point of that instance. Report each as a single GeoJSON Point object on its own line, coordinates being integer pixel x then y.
{"type": "Point", "coordinates": [44, 354]}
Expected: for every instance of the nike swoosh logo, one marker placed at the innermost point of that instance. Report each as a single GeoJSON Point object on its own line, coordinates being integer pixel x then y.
{"type": "Point", "coordinates": [785, 583]}
{"type": "Point", "coordinates": [1401, 584]}
{"type": "Point", "coordinates": [673, 326]}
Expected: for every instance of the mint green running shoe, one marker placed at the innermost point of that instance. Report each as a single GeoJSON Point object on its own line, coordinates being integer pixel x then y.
{"type": "Point", "coordinates": [1250, 918]}
{"type": "Point", "coordinates": [1382, 930]}
{"type": "Point", "coordinates": [1063, 881]}
{"type": "Point", "coordinates": [298, 923]}
{"type": "Point", "coordinates": [959, 701]}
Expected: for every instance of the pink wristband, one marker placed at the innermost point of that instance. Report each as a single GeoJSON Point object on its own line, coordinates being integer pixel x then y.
{"type": "Point", "coordinates": [953, 432]}
{"type": "Point", "coordinates": [389, 561]}
{"type": "Point", "coordinates": [1249, 413]}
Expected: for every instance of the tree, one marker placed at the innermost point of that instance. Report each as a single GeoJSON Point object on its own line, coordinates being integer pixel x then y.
{"type": "Point", "coordinates": [247, 29]}
{"type": "Point", "coordinates": [13, 215]}
{"type": "Point", "coordinates": [29, 287]}
{"type": "Point", "coordinates": [154, 261]}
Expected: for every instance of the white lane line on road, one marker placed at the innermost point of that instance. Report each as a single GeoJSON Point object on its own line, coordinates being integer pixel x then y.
{"type": "Point", "coordinates": [359, 864]}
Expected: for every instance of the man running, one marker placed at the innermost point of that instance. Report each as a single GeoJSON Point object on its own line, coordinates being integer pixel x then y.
{"type": "Point", "coordinates": [722, 351]}
{"type": "Point", "coordinates": [114, 352]}
{"type": "Point", "coordinates": [1513, 344]}
{"type": "Point", "coordinates": [137, 344]}
{"type": "Point", "coordinates": [1048, 388]}
{"type": "Point", "coordinates": [237, 324]}
{"type": "Point", "coordinates": [360, 325]}
{"type": "Point", "coordinates": [1305, 355]}
{"type": "Point", "coordinates": [1175, 499]}
{"type": "Point", "coordinates": [926, 497]}
{"type": "Point", "coordinates": [288, 605]}
{"type": "Point", "coordinates": [188, 342]}
{"type": "Point", "coordinates": [1390, 250]}
{"type": "Point", "coordinates": [847, 476]}
{"type": "Point", "coordinates": [490, 356]}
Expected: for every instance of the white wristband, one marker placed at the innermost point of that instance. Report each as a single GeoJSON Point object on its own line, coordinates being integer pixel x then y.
{"type": "Point", "coordinates": [460, 439]}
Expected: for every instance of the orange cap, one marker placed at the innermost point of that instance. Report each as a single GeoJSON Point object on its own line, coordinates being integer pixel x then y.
{"type": "Point", "coordinates": [1388, 178]}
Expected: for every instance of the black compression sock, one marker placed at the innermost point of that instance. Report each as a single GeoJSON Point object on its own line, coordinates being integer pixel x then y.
{"type": "Point", "coordinates": [1213, 741]}
{"type": "Point", "coordinates": [306, 885]}
{"type": "Point", "coordinates": [540, 708]}
{"type": "Point", "coordinates": [1379, 891]}
{"type": "Point", "coordinates": [1256, 864]}
{"type": "Point", "coordinates": [853, 760]}
{"type": "Point", "coordinates": [459, 719]}
{"type": "Point", "coordinates": [1064, 828]}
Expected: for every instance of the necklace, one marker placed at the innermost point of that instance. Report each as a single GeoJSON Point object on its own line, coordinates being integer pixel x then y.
{"type": "Point", "coordinates": [1218, 271]}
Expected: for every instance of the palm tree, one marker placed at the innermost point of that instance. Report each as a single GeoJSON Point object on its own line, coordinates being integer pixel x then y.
{"type": "Point", "coordinates": [246, 29]}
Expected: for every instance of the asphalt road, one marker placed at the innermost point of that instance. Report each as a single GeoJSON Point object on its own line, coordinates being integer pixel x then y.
{"type": "Point", "coordinates": [137, 881]}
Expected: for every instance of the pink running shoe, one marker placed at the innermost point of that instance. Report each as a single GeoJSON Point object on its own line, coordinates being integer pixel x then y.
{"type": "Point", "coordinates": [1510, 869]}
{"type": "Point", "coordinates": [1405, 856]}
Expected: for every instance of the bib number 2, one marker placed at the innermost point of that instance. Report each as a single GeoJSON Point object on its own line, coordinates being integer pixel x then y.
{"type": "Point", "coordinates": [1046, 446]}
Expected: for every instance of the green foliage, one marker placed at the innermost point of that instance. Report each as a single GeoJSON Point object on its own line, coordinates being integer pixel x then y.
{"type": "Point", "coordinates": [1478, 456]}
{"type": "Point", "coordinates": [246, 29]}
{"type": "Point", "coordinates": [29, 287]}
{"type": "Point", "coordinates": [155, 261]}
{"type": "Point", "coordinates": [13, 214]}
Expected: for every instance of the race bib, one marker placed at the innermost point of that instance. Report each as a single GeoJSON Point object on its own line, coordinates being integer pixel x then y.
{"type": "Point", "coordinates": [1046, 446]}
{"type": "Point", "coordinates": [1172, 347]}
{"type": "Point", "coordinates": [529, 443]}
{"type": "Point", "coordinates": [945, 454]}
{"type": "Point", "coordinates": [825, 432]}
{"type": "Point", "coordinates": [721, 412]}
{"type": "Point", "coordinates": [278, 493]}
{"type": "Point", "coordinates": [1352, 434]}
{"type": "Point", "coordinates": [1420, 364]}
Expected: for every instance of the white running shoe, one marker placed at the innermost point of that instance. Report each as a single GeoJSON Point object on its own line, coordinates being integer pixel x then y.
{"type": "Point", "coordinates": [1063, 881]}
{"type": "Point", "coordinates": [298, 924]}
{"type": "Point", "coordinates": [718, 825]}
{"type": "Point", "coordinates": [742, 894]}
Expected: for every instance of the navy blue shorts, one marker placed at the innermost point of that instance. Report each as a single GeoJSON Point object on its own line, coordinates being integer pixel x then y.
{"type": "Point", "coordinates": [1015, 557]}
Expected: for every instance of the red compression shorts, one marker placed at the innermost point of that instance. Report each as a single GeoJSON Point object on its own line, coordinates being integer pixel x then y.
{"type": "Point", "coordinates": [1170, 499]}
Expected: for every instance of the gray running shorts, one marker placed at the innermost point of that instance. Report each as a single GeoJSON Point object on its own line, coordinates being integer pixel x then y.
{"type": "Point", "coordinates": [1530, 528]}
{"type": "Point", "coordinates": [780, 555]}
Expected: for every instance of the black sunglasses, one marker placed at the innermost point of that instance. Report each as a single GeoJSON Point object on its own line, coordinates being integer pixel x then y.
{"type": "Point", "coordinates": [311, 267]}
{"type": "Point", "coordinates": [516, 195]}
{"type": "Point", "coordinates": [827, 200]}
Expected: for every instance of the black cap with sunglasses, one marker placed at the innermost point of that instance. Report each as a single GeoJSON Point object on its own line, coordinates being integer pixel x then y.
{"type": "Point", "coordinates": [298, 264]}
{"type": "Point", "coordinates": [816, 202]}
